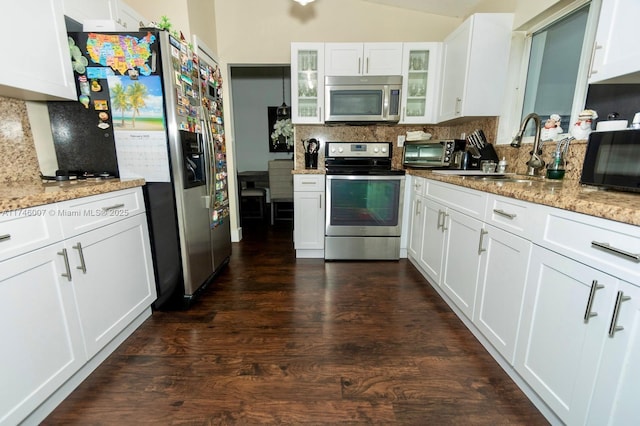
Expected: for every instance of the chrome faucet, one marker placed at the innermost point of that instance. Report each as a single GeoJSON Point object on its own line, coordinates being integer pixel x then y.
{"type": "Point", "coordinates": [535, 163]}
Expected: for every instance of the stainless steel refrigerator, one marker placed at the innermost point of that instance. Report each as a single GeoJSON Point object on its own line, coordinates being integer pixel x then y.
{"type": "Point", "coordinates": [149, 107]}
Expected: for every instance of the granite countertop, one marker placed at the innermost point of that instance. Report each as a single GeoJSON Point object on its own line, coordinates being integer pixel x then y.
{"type": "Point", "coordinates": [564, 194]}
{"type": "Point", "coordinates": [308, 171]}
{"type": "Point", "coordinates": [25, 194]}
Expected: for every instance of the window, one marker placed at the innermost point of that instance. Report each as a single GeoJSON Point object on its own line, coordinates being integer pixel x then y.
{"type": "Point", "coordinates": [553, 67]}
{"type": "Point", "coordinates": [559, 50]}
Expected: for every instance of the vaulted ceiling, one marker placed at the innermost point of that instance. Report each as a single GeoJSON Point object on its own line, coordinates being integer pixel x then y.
{"type": "Point", "coordinates": [454, 8]}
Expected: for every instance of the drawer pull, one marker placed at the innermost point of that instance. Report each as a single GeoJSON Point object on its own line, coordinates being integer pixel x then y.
{"type": "Point", "coordinates": [587, 313]}
{"type": "Point", "coordinates": [502, 213]}
{"type": "Point", "coordinates": [63, 253]}
{"type": "Point", "coordinates": [625, 254]}
{"type": "Point", "coordinates": [613, 327]}
{"type": "Point", "coordinates": [5, 237]}
{"type": "Point", "coordinates": [114, 207]}
{"type": "Point", "coordinates": [83, 266]}
{"type": "Point", "coordinates": [482, 234]}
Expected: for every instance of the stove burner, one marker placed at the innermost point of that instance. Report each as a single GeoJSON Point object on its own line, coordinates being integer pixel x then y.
{"type": "Point", "coordinates": [71, 175]}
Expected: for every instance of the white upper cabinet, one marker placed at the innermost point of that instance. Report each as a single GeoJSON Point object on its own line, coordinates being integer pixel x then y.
{"type": "Point", "coordinates": [37, 64]}
{"type": "Point", "coordinates": [126, 17]}
{"type": "Point", "coordinates": [82, 10]}
{"type": "Point", "coordinates": [616, 59]}
{"type": "Point", "coordinates": [363, 59]}
{"type": "Point", "coordinates": [105, 15]}
{"type": "Point", "coordinates": [307, 83]}
{"type": "Point", "coordinates": [475, 65]}
{"type": "Point", "coordinates": [420, 66]}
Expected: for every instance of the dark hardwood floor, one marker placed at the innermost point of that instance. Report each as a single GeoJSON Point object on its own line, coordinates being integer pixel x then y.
{"type": "Point", "coordinates": [277, 340]}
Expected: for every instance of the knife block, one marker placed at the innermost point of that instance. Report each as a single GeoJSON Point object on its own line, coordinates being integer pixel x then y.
{"type": "Point", "coordinates": [486, 153]}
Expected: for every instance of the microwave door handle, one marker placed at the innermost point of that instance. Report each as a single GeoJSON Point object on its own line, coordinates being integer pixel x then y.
{"type": "Point", "coordinates": [386, 101]}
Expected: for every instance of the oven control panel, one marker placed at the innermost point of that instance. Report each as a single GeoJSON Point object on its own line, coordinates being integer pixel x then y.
{"type": "Point", "coordinates": [358, 149]}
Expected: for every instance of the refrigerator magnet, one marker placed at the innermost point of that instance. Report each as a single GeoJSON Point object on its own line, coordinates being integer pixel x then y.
{"type": "Point", "coordinates": [103, 118]}
{"type": "Point", "coordinates": [84, 85]}
{"type": "Point", "coordinates": [100, 105]}
{"type": "Point", "coordinates": [95, 86]}
{"type": "Point", "coordinates": [84, 100]}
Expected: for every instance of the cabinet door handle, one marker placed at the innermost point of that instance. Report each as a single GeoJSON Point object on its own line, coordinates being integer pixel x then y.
{"type": "Point", "coordinates": [482, 234]}
{"type": "Point", "coordinates": [83, 266]}
{"type": "Point", "coordinates": [502, 213]}
{"type": "Point", "coordinates": [596, 46]}
{"type": "Point", "coordinates": [592, 293]}
{"type": "Point", "coordinates": [418, 204]}
{"type": "Point", "coordinates": [458, 102]}
{"type": "Point", "coordinates": [5, 237]}
{"type": "Point", "coordinates": [624, 254]}
{"type": "Point", "coordinates": [445, 215]}
{"type": "Point", "coordinates": [367, 72]}
{"type": "Point", "coordinates": [613, 327]}
{"type": "Point", "coordinates": [114, 207]}
{"type": "Point", "coordinates": [440, 221]}
{"type": "Point", "coordinates": [359, 65]}
{"type": "Point", "coordinates": [319, 113]}
{"type": "Point", "coordinates": [63, 253]}
{"type": "Point", "coordinates": [320, 200]}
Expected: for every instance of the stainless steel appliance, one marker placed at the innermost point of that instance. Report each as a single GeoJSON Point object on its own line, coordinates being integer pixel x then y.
{"type": "Point", "coordinates": [364, 201]}
{"type": "Point", "coordinates": [431, 153]}
{"type": "Point", "coordinates": [151, 107]}
{"type": "Point", "coordinates": [362, 99]}
{"type": "Point", "coordinates": [612, 160]}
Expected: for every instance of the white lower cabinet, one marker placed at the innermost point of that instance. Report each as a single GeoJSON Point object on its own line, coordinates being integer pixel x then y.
{"type": "Point", "coordinates": [462, 260]}
{"type": "Point", "coordinates": [561, 338]}
{"type": "Point", "coordinates": [112, 282]}
{"type": "Point", "coordinates": [431, 254]}
{"type": "Point", "coordinates": [39, 329]}
{"type": "Point", "coordinates": [308, 215]}
{"type": "Point", "coordinates": [62, 303]}
{"type": "Point", "coordinates": [500, 296]}
{"type": "Point", "coordinates": [615, 396]}
{"type": "Point", "coordinates": [552, 294]}
{"type": "Point", "coordinates": [416, 217]}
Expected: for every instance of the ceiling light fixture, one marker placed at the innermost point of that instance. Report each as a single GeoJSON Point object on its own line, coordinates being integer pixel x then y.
{"type": "Point", "coordinates": [303, 2]}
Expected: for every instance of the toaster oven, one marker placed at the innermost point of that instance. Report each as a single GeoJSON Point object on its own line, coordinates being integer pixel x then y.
{"type": "Point", "coordinates": [431, 153]}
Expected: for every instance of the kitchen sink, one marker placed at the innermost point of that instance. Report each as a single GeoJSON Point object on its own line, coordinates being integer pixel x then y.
{"type": "Point", "coordinates": [510, 178]}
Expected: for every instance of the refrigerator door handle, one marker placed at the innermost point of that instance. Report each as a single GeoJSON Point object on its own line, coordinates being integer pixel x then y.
{"type": "Point", "coordinates": [207, 148]}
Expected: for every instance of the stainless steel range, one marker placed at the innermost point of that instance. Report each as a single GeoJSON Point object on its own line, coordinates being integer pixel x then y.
{"type": "Point", "coordinates": [364, 202]}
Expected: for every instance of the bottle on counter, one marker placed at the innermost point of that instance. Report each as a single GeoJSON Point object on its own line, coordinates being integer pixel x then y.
{"type": "Point", "coordinates": [556, 167]}
{"type": "Point", "coordinates": [502, 165]}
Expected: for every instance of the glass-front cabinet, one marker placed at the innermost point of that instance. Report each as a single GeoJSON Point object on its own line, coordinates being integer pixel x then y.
{"type": "Point", "coordinates": [420, 64]}
{"type": "Point", "coordinates": [307, 83]}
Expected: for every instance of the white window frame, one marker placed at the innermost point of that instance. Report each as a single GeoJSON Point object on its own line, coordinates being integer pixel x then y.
{"type": "Point", "coordinates": [521, 48]}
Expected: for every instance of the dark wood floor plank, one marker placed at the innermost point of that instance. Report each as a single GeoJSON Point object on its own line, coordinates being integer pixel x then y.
{"type": "Point", "coordinates": [279, 340]}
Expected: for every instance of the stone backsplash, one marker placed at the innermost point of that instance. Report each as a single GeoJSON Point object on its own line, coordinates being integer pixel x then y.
{"type": "Point", "coordinates": [516, 157]}
{"type": "Point", "coordinates": [18, 159]}
{"type": "Point", "coordinates": [377, 133]}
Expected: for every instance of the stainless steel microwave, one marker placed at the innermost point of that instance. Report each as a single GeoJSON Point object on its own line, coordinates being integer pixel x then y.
{"type": "Point", "coordinates": [612, 160]}
{"type": "Point", "coordinates": [355, 99]}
